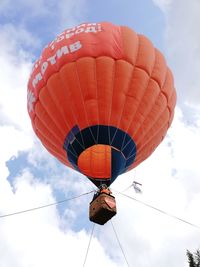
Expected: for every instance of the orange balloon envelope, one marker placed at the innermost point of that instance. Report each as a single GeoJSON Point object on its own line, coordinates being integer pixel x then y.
{"type": "Point", "coordinates": [101, 99]}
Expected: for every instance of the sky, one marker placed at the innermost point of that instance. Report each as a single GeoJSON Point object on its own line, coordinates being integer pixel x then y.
{"type": "Point", "coordinates": [30, 177]}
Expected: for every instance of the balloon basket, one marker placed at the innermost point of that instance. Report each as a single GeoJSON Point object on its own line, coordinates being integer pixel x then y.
{"type": "Point", "coordinates": [102, 208]}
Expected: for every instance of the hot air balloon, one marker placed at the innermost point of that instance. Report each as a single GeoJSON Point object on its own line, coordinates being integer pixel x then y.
{"type": "Point", "coordinates": [101, 99]}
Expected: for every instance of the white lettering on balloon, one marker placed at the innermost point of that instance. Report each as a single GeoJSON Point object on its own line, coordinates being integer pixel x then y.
{"type": "Point", "coordinates": [82, 28]}
{"type": "Point", "coordinates": [31, 99]}
{"type": "Point", "coordinates": [53, 60]}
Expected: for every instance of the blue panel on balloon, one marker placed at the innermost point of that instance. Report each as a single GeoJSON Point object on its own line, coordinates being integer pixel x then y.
{"type": "Point", "coordinates": [118, 164]}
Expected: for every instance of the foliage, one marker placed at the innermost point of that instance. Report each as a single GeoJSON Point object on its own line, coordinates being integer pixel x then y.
{"type": "Point", "coordinates": [193, 258]}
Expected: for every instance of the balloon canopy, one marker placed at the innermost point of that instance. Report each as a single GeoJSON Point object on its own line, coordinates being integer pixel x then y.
{"type": "Point", "coordinates": [101, 99]}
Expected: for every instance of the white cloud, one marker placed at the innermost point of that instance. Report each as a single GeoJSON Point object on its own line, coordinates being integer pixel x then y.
{"type": "Point", "coordinates": [163, 4]}
{"type": "Point", "coordinates": [182, 48]}
{"type": "Point", "coordinates": [73, 13]}
{"type": "Point", "coordinates": [14, 123]}
{"type": "Point", "coordinates": [15, 66]}
{"type": "Point", "coordinates": [57, 14]}
{"type": "Point", "coordinates": [36, 8]}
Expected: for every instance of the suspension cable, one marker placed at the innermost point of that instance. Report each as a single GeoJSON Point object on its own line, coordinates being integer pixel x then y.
{"type": "Point", "coordinates": [87, 251]}
{"type": "Point", "coordinates": [44, 206]}
{"type": "Point", "coordinates": [119, 243]}
{"type": "Point", "coordinates": [159, 210]}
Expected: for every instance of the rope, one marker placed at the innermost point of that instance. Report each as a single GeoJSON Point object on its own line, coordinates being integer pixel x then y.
{"type": "Point", "coordinates": [119, 243]}
{"type": "Point", "coordinates": [44, 206]}
{"type": "Point", "coordinates": [87, 251]}
{"type": "Point", "coordinates": [127, 188]}
{"type": "Point", "coordinates": [159, 210]}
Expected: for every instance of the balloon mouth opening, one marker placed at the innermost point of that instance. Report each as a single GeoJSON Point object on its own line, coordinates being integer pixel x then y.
{"type": "Point", "coordinates": [100, 152]}
{"type": "Point", "coordinates": [95, 161]}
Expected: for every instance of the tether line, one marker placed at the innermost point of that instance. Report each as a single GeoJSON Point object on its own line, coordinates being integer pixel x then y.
{"type": "Point", "coordinates": [88, 247]}
{"type": "Point", "coordinates": [119, 243]}
{"type": "Point", "coordinates": [159, 210]}
{"type": "Point", "coordinates": [44, 206]}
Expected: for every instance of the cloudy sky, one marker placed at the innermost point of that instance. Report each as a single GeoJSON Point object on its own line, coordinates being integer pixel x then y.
{"type": "Point", "coordinates": [30, 177]}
